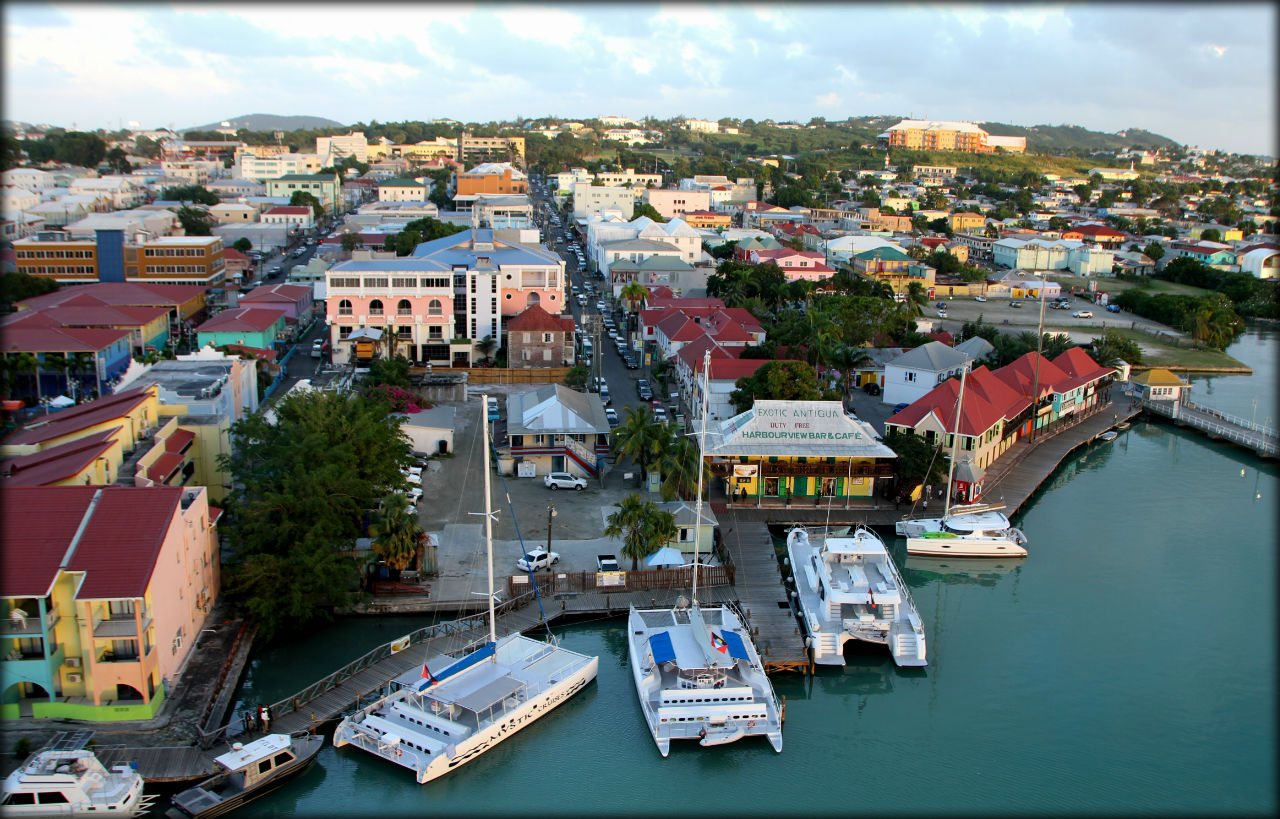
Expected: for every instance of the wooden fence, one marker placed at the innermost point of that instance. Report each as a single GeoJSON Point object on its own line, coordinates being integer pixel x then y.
{"type": "Point", "coordinates": [641, 580]}
{"type": "Point", "coordinates": [509, 375]}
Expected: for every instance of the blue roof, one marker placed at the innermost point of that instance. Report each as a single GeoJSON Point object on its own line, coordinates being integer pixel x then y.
{"type": "Point", "coordinates": [660, 645]}
{"type": "Point", "coordinates": [736, 648]}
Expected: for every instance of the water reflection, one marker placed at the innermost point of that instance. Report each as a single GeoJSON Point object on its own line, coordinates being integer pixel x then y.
{"type": "Point", "coordinates": [923, 570]}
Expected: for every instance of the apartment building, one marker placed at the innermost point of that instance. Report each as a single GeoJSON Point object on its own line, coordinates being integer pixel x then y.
{"type": "Point", "coordinates": [673, 203]}
{"type": "Point", "coordinates": [335, 148]}
{"type": "Point", "coordinates": [628, 178]}
{"type": "Point", "coordinates": [940, 135]}
{"type": "Point", "coordinates": [593, 199]}
{"type": "Point", "coordinates": [109, 257]}
{"type": "Point", "coordinates": [106, 597]}
{"type": "Point", "coordinates": [327, 189]}
{"type": "Point", "coordinates": [441, 299]}
{"type": "Point", "coordinates": [260, 168]}
{"type": "Point", "coordinates": [471, 148]}
{"type": "Point", "coordinates": [703, 126]}
{"type": "Point", "coordinates": [493, 178]}
{"type": "Point", "coordinates": [403, 190]}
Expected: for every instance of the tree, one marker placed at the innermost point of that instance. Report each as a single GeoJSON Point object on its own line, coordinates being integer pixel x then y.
{"type": "Point", "coordinates": [302, 489]}
{"type": "Point", "coordinates": [679, 466]}
{"type": "Point", "coordinates": [639, 437]}
{"type": "Point", "coordinates": [643, 527]}
{"type": "Point", "coordinates": [918, 461]}
{"type": "Point", "coordinates": [645, 209]}
{"type": "Point", "coordinates": [118, 162]}
{"type": "Point", "coordinates": [350, 240]}
{"type": "Point", "coordinates": [195, 221]}
{"type": "Point", "coordinates": [486, 346]}
{"type": "Point", "coordinates": [1154, 251]}
{"type": "Point", "coordinates": [27, 362]}
{"type": "Point", "coordinates": [576, 377]}
{"type": "Point", "coordinates": [308, 199]}
{"type": "Point", "coordinates": [723, 251]}
{"type": "Point", "coordinates": [14, 287]}
{"type": "Point", "coordinates": [634, 293]}
{"type": "Point", "coordinates": [197, 194]}
{"type": "Point", "coordinates": [242, 244]}
{"type": "Point", "coordinates": [1112, 346]}
{"type": "Point", "coordinates": [778, 380]}
{"type": "Point", "coordinates": [1211, 235]}
{"type": "Point", "coordinates": [396, 533]}
{"type": "Point", "coordinates": [145, 146]}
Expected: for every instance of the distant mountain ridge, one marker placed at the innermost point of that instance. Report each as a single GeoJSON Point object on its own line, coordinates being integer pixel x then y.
{"type": "Point", "coordinates": [269, 122]}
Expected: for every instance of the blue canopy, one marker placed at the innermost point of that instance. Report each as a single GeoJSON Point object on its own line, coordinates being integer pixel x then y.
{"type": "Point", "coordinates": [483, 653]}
{"type": "Point", "coordinates": [660, 645]}
{"type": "Point", "coordinates": [736, 648]}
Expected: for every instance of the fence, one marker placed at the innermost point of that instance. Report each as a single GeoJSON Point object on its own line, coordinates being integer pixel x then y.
{"type": "Point", "coordinates": [509, 375]}
{"type": "Point", "coordinates": [639, 580]}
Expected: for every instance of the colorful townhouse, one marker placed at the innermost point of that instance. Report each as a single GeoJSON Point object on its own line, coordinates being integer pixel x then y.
{"type": "Point", "coordinates": [105, 598]}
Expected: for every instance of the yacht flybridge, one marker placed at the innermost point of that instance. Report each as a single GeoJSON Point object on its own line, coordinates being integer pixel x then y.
{"type": "Point", "coordinates": [849, 588]}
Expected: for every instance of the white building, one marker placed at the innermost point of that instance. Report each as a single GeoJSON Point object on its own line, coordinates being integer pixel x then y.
{"type": "Point", "coordinates": [705, 126]}
{"type": "Point", "coordinates": [33, 179]}
{"type": "Point", "coordinates": [335, 148]}
{"type": "Point", "coordinates": [258, 168]}
{"type": "Point", "coordinates": [1053, 254]}
{"type": "Point", "coordinates": [912, 375]}
{"type": "Point", "coordinates": [119, 190]}
{"type": "Point", "coordinates": [589, 199]}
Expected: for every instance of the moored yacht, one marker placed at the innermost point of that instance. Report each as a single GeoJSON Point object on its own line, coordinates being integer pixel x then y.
{"type": "Point", "coordinates": [849, 588]}
{"type": "Point", "coordinates": [64, 778]}
{"type": "Point", "coordinates": [445, 718]}
{"type": "Point", "coordinates": [697, 672]}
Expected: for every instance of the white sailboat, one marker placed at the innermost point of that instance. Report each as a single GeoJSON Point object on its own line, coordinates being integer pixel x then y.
{"type": "Point", "coordinates": [965, 531]}
{"type": "Point", "coordinates": [449, 716]}
{"type": "Point", "coordinates": [697, 672]}
{"type": "Point", "coordinates": [849, 588]}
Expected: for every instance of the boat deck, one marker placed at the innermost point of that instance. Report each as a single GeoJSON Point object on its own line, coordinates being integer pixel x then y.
{"type": "Point", "coordinates": [162, 765]}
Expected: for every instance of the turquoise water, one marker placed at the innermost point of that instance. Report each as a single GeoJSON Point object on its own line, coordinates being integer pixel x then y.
{"type": "Point", "coordinates": [1126, 666]}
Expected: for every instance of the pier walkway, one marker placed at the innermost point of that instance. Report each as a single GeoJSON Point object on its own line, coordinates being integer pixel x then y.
{"type": "Point", "coordinates": [1261, 440]}
{"type": "Point", "coordinates": [762, 597]}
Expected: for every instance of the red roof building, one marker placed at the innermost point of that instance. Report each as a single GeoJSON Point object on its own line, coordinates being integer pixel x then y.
{"type": "Point", "coordinates": [535, 338]}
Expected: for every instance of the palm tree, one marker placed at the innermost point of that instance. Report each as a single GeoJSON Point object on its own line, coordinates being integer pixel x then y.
{"type": "Point", "coordinates": [58, 363]}
{"type": "Point", "coordinates": [486, 346]}
{"type": "Point", "coordinates": [28, 362]}
{"type": "Point", "coordinates": [634, 293]}
{"type": "Point", "coordinates": [87, 362]}
{"type": "Point", "coordinates": [643, 527]}
{"type": "Point", "coordinates": [639, 437]}
{"type": "Point", "coordinates": [680, 470]}
{"type": "Point", "coordinates": [917, 298]}
{"type": "Point", "coordinates": [396, 533]}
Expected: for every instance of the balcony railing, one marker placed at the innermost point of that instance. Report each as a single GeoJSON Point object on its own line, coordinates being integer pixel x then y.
{"type": "Point", "coordinates": [117, 627]}
{"type": "Point", "coordinates": [27, 627]}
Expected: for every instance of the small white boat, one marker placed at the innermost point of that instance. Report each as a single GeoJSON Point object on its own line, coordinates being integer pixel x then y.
{"type": "Point", "coordinates": [849, 588]}
{"type": "Point", "coordinates": [1122, 426]}
{"type": "Point", "coordinates": [697, 672]}
{"type": "Point", "coordinates": [962, 531]}
{"type": "Point", "coordinates": [64, 778]}
{"type": "Point", "coordinates": [248, 771]}
{"type": "Point", "coordinates": [1109, 435]}
{"type": "Point", "coordinates": [445, 718]}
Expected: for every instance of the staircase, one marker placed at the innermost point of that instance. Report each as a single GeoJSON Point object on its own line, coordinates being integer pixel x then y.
{"type": "Point", "coordinates": [579, 453]}
{"type": "Point", "coordinates": [906, 648]}
{"type": "Point", "coordinates": [827, 650]}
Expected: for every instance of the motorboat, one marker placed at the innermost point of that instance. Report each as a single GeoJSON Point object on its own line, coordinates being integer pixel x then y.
{"type": "Point", "coordinates": [249, 770]}
{"type": "Point", "coordinates": [437, 721]}
{"type": "Point", "coordinates": [697, 672]}
{"type": "Point", "coordinates": [65, 778]}
{"type": "Point", "coordinates": [962, 531]}
{"type": "Point", "coordinates": [849, 588]}
{"type": "Point", "coordinates": [1108, 436]}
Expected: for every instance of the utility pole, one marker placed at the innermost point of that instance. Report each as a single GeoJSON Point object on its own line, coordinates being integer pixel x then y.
{"type": "Point", "coordinates": [1035, 379]}
{"type": "Point", "coordinates": [551, 514]}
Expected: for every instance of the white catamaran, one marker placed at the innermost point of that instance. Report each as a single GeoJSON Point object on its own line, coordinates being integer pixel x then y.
{"type": "Point", "coordinates": [450, 716]}
{"type": "Point", "coordinates": [965, 531]}
{"type": "Point", "coordinates": [697, 672]}
{"type": "Point", "coordinates": [849, 588]}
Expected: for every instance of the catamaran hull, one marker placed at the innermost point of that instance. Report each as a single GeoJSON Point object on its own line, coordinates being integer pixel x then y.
{"type": "Point", "coordinates": [477, 744]}
{"type": "Point", "coordinates": [965, 547]}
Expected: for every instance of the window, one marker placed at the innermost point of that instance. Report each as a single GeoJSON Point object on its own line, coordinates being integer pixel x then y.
{"type": "Point", "coordinates": [435, 308]}
{"type": "Point", "coordinates": [375, 307]}
{"type": "Point", "coordinates": [403, 308]}
{"type": "Point", "coordinates": [344, 307]}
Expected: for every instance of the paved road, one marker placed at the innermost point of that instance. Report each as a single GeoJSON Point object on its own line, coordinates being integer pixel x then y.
{"type": "Point", "coordinates": [1011, 319]}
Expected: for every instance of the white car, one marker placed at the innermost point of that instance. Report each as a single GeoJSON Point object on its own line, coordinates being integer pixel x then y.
{"type": "Point", "coordinates": [537, 559]}
{"type": "Point", "coordinates": [414, 494]}
{"type": "Point", "coordinates": [979, 298]}
{"type": "Point", "coordinates": [563, 480]}
{"type": "Point", "coordinates": [1082, 314]}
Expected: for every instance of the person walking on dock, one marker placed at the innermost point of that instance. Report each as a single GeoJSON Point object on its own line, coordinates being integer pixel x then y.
{"type": "Point", "coordinates": [266, 719]}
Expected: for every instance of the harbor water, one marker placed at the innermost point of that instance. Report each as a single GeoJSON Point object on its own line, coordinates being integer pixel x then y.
{"type": "Point", "coordinates": [1126, 666]}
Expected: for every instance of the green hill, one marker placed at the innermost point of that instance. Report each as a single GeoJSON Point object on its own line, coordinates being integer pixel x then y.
{"type": "Point", "coordinates": [1058, 139]}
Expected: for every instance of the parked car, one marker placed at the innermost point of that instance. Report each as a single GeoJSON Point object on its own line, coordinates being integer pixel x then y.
{"type": "Point", "coordinates": [1113, 308]}
{"type": "Point", "coordinates": [633, 363]}
{"type": "Point", "coordinates": [607, 563]}
{"type": "Point", "coordinates": [611, 415]}
{"type": "Point", "coordinates": [942, 314]}
{"type": "Point", "coordinates": [871, 388]}
{"type": "Point", "coordinates": [563, 480]}
{"type": "Point", "coordinates": [942, 305]}
{"type": "Point", "coordinates": [537, 559]}
{"type": "Point", "coordinates": [1015, 304]}
{"type": "Point", "coordinates": [1082, 314]}
{"type": "Point", "coordinates": [600, 306]}
{"type": "Point", "coordinates": [897, 408]}
{"type": "Point", "coordinates": [317, 348]}
{"type": "Point", "coordinates": [979, 298]}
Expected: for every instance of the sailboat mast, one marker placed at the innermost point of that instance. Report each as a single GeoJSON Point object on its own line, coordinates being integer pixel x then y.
{"type": "Point", "coordinates": [955, 441]}
{"type": "Point", "coordinates": [488, 520]}
{"type": "Point", "coordinates": [702, 443]}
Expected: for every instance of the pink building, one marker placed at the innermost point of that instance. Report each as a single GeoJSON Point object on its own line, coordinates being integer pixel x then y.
{"type": "Point", "coordinates": [809, 265]}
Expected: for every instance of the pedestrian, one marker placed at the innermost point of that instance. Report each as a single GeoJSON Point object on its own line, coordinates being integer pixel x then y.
{"type": "Point", "coordinates": [266, 719]}
{"type": "Point", "coordinates": [926, 503]}
{"type": "Point", "coordinates": [244, 720]}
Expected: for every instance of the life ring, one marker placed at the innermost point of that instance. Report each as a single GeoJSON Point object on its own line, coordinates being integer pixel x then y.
{"type": "Point", "coordinates": [751, 723]}
{"type": "Point", "coordinates": [399, 752]}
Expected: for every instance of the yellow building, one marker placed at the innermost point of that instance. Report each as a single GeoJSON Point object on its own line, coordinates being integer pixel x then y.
{"type": "Point", "coordinates": [966, 222]}
{"type": "Point", "coordinates": [784, 453]}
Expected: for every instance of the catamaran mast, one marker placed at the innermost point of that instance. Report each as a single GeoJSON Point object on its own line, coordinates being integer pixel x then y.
{"type": "Point", "coordinates": [955, 440]}
{"type": "Point", "coordinates": [702, 442]}
{"type": "Point", "coordinates": [488, 521]}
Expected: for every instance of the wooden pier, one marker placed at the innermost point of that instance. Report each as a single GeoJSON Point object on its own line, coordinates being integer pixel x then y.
{"type": "Point", "coordinates": [762, 597]}
{"type": "Point", "coordinates": [161, 766]}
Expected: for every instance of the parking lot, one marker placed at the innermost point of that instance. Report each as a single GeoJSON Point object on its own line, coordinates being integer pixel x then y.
{"type": "Point", "coordinates": [997, 311]}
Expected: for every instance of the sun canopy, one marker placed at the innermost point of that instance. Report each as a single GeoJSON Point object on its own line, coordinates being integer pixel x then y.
{"type": "Point", "coordinates": [666, 556]}
{"type": "Point", "coordinates": [660, 645]}
{"type": "Point", "coordinates": [736, 649]}
{"type": "Point", "coordinates": [491, 694]}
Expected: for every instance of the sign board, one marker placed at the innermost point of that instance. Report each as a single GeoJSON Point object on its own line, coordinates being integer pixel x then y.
{"type": "Point", "coordinates": [400, 645]}
{"type": "Point", "coordinates": [611, 579]}
{"type": "Point", "coordinates": [746, 470]}
{"type": "Point", "coordinates": [526, 469]}
{"type": "Point", "coordinates": [811, 421]}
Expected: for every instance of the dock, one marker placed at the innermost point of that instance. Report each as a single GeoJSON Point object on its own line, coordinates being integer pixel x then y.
{"type": "Point", "coordinates": [162, 766]}
{"type": "Point", "coordinates": [762, 597]}
{"type": "Point", "coordinates": [1261, 440]}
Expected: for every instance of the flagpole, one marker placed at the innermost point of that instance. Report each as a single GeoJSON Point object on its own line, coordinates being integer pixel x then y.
{"type": "Point", "coordinates": [702, 444]}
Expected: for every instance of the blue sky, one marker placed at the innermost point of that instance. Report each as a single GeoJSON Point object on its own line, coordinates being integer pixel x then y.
{"type": "Point", "coordinates": [1201, 74]}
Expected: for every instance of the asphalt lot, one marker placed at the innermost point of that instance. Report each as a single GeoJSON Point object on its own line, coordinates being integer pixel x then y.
{"type": "Point", "coordinates": [996, 310]}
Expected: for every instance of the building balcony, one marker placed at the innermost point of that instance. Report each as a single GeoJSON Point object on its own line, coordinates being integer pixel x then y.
{"type": "Point", "coordinates": [116, 628]}
{"type": "Point", "coordinates": [29, 626]}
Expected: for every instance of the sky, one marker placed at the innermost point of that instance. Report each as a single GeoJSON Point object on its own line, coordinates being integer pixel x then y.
{"type": "Point", "coordinates": [1201, 74]}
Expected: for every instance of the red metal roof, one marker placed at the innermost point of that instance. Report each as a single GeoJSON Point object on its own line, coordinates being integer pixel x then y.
{"type": "Point", "coordinates": [179, 439]}
{"type": "Point", "coordinates": [57, 463]}
{"type": "Point", "coordinates": [1078, 363]}
{"type": "Point", "coordinates": [163, 468]}
{"type": "Point", "coordinates": [138, 294]}
{"type": "Point", "coordinates": [32, 554]}
{"type": "Point", "coordinates": [118, 549]}
{"type": "Point", "coordinates": [290, 210]}
{"type": "Point", "coordinates": [240, 319]}
{"type": "Point", "coordinates": [73, 419]}
{"type": "Point", "coordinates": [20, 338]}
